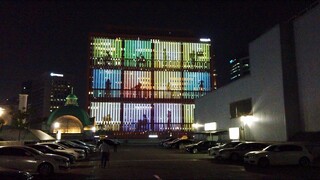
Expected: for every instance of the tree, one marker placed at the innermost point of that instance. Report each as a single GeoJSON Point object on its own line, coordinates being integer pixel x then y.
{"type": "Point", "coordinates": [20, 120]}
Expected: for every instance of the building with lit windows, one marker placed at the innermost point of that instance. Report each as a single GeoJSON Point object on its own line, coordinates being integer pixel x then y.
{"type": "Point", "coordinates": [144, 85]}
{"type": "Point", "coordinates": [48, 93]}
{"type": "Point", "coordinates": [239, 67]}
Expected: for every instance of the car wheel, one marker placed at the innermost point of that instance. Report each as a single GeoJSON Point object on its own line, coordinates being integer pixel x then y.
{"type": "Point", "coordinates": [234, 157]}
{"type": "Point", "coordinates": [304, 161]}
{"type": "Point", "coordinates": [45, 169]}
{"type": "Point", "coordinates": [194, 150]}
{"type": "Point", "coordinates": [263, 162]}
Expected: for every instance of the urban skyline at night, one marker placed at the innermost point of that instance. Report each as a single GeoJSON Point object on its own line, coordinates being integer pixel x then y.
{"type": "Point", "coordinates": [52, 36]}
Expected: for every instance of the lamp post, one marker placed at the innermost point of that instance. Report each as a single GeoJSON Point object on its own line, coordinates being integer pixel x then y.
{"type": "Point", "coordinates": [56, 127]}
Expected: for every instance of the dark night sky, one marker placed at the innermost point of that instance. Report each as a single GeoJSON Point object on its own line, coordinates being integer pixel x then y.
{"type": "Point", "coordinates": [39, 36]}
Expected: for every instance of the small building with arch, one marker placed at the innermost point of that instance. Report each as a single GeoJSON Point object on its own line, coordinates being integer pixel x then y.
{"type": "Point", "coordinates": [69, 118]}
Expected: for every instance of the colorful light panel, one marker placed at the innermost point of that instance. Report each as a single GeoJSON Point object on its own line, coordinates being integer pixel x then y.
{"type": "Point", "coordinates": [167, 54]}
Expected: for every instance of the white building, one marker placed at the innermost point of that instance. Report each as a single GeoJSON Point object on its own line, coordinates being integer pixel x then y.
{"type": "Point", "coordinates": [281, 96]}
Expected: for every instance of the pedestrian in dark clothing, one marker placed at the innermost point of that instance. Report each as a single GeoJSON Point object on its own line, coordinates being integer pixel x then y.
{"type": "Point", "coordinates": [105, 154]}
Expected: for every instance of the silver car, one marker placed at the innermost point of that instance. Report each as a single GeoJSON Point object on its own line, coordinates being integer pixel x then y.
{"type": "Point", "coordinates": [28, 159]}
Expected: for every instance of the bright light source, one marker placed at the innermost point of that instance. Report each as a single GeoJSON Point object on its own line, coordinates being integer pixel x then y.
{"type": "Point", "coordinates": [1, 111]}
{"type": "Point", "coordinates": [205, 40]}
{"type": "Point", "coordinates": [210, 126]}
{"type": "Point", "coordinates": [93, 129]}
{"type": "Point", "coordinates": [247, 120]}
{"type": "Point", "coordinates": [153, 136]}
{"type": "Point", "coordinates": [55, 74]}
{"type": "Point", "coordinates": [197, 125]}
{"type": "Point", "coordinates": [56, 125]}
{"type": "Point", "coordinates": [234, 133]}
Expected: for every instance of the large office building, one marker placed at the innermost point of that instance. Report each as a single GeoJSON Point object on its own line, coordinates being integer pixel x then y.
{"type": "Point", "coordinates": [48, 93]}
{"type": "Point", "coordinates": [147, 84]}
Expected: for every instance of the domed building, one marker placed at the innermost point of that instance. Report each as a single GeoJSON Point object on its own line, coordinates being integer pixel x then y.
{"type": "Point", "coordinates": [70, 118]}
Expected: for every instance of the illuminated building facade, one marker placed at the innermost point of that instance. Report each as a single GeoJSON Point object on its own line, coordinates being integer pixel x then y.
{"type": "Point", "coordinates": [141, 84]}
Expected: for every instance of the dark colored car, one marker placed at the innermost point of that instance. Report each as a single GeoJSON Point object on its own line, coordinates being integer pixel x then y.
{"type": "Point", "coordinates": [201, 146]}
{"type": "Point", "coordinates": [110, 142]}
{"type": "Point", "coordinates": [90, 146]}
{"type": "Point", "coordinates": [214, 150]}
{"type": "Point", "coordinates": [161, 143]}
{"type": "Point", "coordinates": [9, 174]}
{"type": "Point", "coordinates": [48, 150]}
{"type": "Point", "coordinates": [179, 143]}
{"type": "Point", "coordinates": [74, 145]}
{"type": "Point", "coordinates": [237, 153]}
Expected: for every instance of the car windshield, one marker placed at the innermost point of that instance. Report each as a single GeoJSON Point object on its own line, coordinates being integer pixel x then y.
{"type": "Point", "coordinates": [240, 146]}
{"type": "Point", "coordinates": [33, 151]}
{"type": "Point", "coordinates": [79, 142]}
{"type": "Point", "coordinates": [270, 148]}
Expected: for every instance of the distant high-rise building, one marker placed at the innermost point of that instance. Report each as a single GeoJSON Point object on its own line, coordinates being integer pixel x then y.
{"type": "Point", "coordinates": [48, 92]}
{"type": "Point", "coordinates": [239, 67]}
{"type": "Point", "coordinates": [147, 83]}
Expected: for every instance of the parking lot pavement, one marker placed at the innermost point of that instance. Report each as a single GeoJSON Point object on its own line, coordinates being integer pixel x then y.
{"type": "Point", "coordinates": [152, 162]}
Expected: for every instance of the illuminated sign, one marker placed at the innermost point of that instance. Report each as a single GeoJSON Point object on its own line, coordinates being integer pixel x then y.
{"type": "Point", "coordinates": [57, 75]}
{"type": "Point", "coordinates": [234, 133]}
{"type": "Point", "coordinates": [205, 39]}
{"type": "Point", "coordinates": [210, 126]}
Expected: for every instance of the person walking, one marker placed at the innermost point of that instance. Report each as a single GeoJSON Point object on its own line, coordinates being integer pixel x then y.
{"type": "Point", "coordinates": [105, 154]}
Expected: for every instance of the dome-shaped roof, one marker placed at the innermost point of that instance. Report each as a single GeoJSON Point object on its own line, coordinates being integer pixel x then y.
{"type": "Point", "coordinates": [73, 111]}
{"type": "Point", "coordinates": [72, 96]}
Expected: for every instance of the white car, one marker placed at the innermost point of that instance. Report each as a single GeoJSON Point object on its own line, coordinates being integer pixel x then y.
{"type": "Point", "coordinates": [28, 159]}
{"type": "Point", "coordinates": [78, 153]}
{"type": "Point", "coordinates": [280, 154]}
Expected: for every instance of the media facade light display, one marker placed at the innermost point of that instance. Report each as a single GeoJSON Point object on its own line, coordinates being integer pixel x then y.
{"type": "Point", "coordinates": [196, 55]}
{"type": "Point", "coordinates": [106, 51]}
{"type": "Point", "coordinates": [139, 85]}
{"type": "Point", "coordinates": [137, 53]}
{"type": "Point", "coordinates": [106, 82]}
{"type": "Point", "coordinates": [167, 54]}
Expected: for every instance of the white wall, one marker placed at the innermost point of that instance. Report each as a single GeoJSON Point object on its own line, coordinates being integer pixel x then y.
{"type": "Point", "coordinates": [264, 86]}
{"type": "Point", "coordinates": [268, 100]}
{"type": "Point", "coordinates": [307, 43]}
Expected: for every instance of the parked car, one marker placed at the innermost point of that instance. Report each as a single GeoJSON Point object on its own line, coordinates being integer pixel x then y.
{"type": "Point", "coordinates": [201, 146]}
{"type": "Point", "coordinates": [28, 159]}
{"type": "Point", "coordinates": [90, 146]}
{"type": "Point", "coordinates": [179, 143]}
{"type": "Point", "coordinates": [48, 150]}
{"type": "Point", "coordinates": [9, 174]}
{"type": "Point", "coordinates": [74, 145]}
{"type": "Point", "coordinates": [161, 143]}
{"type": "Point", "coordinates": [280, 154]}
{"type": "Point", "coordinates": [78, 153]}
{"type": "Point", "coordinates": [236, 153]}
{"type": "Point", "coordinates": [111, 142]}
{"type": "Point", "coordinates": [214, 150]}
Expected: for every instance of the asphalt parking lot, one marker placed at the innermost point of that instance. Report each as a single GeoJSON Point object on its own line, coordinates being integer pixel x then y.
{"type": "Point", "coordinates": [153, 162]}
